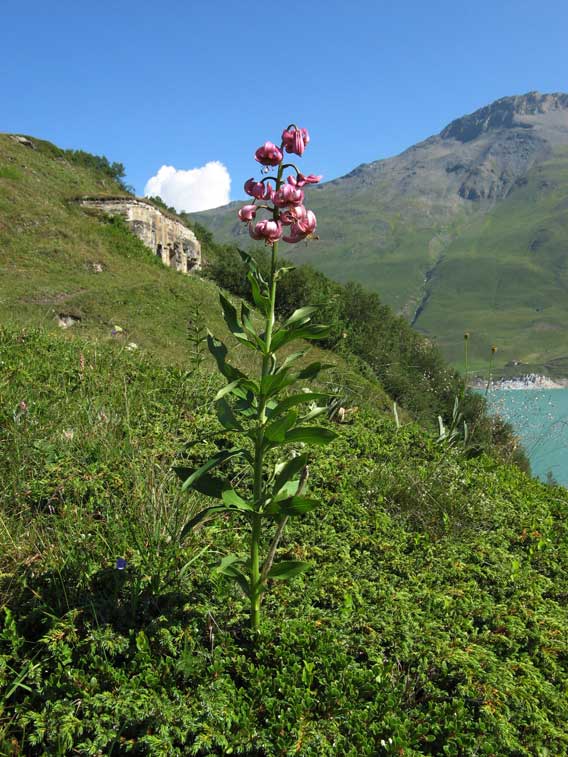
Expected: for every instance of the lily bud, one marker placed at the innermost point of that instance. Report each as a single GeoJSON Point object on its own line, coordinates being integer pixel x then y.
{"type": "Point", "coordinates": [302, 180]}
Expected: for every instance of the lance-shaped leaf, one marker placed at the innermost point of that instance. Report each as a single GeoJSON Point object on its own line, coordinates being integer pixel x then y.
{"type": "Point", "coordinates": [226, 416]}
{"type": "Point", "coordinates": [219, 352]}
{"type": "Point", "coordinates": [276, 432]}
{"type": "Point", "coordinates": [288, 569]}
{"type": "Point", "coordinates": [206, 484]}
{"type": "Point", "coordinates": [232, 321]}
{"type": "Point", "coordinates": [292, 357]}
{"type": "Point", "coordinates": [286, 471]}
{"type": "Point", "coordinates": [248, 326]}
{"type": "Point", "coordinates": [296, 399]}
{"type": "Point", "coordinates": [281, 337]}
{"type": "Point", "coordinates": [314, 330]}
{"type": "Point", "coordinates": [246, 405]}
{"type": "Point", "coordinates": [274, 383]}
{"type": "Point", "coordinates": [228, 389]}
{"type": "Point", "coordinates": [245, 389]}
{"type": "Point", "coordinates": [260, 300]}
{"type": "Point", "coordinates": [233, 504]}
{"type": "Point", "coordinates": [208, 512]}
{"type": "Point", "coordinates": [311, 435]}
{"type": "Point", "coordinates": [291, 506]}
{"type": "Point", "coordinates": [290, 489]}
{"type": "Point", "coordinates": [271, 384]}
{"type": "Point", "coordinates": [312, 370]}
{"type": "Point", "coordinates": [314, 412]}
{"type": "Point", "coordinates": [252, 265]}
{"type": "Point", "coordinates": [299, 315]}
{"type": "Point", "coordinates": [285, 269]}
{"type": "Point", "coordinates": [228, 567]}
{"type": "Point", "coordinates": [220, 457]}
{"type": "Point", "coordinates": [230, 497]}
{"type": "Point", "coordinates": [309, 331]}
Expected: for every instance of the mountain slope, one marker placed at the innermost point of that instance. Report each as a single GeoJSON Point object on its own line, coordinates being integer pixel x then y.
{"type": "Point", "coordinates": [474, 214]}
{"type": "Point", "coordinates": [56, 260]}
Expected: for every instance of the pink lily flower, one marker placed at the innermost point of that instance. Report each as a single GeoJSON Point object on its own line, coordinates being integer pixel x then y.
{"type": "Point", "coordinates": [302, 229]}
{"type": "Point", "coordinates": [293, 215]}
{"type": "Point", "coordinates": [270, 231]}
{"type": "Point", "coordinates": [295, 140]}
{"type": "Point", "coordinates": [309, 223]}
{"type": "Point", "coordinates": [269, 154]}
{"type": "Point", "coordinates": [247, 212]}
{"type": "Point", "coordinates": [300, 180]}
{"type": "Point", "coordinates": [294, 236]}
{"type": "Point", "coordinates": [288, 196]}
{"type": "Point", "coordinates": [255, 189]}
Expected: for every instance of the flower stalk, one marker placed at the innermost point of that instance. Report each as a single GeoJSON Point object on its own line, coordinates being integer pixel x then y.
{"type": "Point", "coordinates": [273, 422]}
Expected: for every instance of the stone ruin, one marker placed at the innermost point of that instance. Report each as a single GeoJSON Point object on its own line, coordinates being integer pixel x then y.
{"type": "Point", "coordinates": [175, 244]}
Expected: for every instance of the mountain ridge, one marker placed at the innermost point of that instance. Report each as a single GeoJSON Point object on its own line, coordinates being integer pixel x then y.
{"type": "Point", "coordinates": [400, 225]}
{"type": "Point", "coordinates": [501, 114]}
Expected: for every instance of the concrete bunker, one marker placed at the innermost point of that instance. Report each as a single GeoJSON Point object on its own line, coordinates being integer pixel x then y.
{"type": "Point", "coordinates": [167, 238]}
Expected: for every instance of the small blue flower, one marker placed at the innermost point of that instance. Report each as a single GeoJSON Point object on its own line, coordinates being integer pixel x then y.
{"type": "Point", "coordinates": [120, 563]}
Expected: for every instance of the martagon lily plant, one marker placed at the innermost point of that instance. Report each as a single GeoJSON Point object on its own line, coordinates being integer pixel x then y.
{"type": "Point", "coordinates": [272, 419]}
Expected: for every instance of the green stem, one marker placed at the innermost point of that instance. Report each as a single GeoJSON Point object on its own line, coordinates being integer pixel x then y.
{"type": "Point", "coordinates": [256, 579]}
{"type": "Point", "coordinates": [255, 587]}
{"type": "Point", "coordinates": [255, 576]}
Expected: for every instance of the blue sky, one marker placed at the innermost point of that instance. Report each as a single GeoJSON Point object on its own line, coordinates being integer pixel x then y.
{"type": "Point", "coordinates": [187, 83]}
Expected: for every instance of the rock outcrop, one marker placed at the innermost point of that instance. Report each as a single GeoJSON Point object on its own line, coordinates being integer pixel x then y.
{"type": "Point", "coordinates": [175, 244]}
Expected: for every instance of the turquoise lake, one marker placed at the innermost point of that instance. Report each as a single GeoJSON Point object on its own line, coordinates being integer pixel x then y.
{"type": "Point", "coordinates": [540, 418]}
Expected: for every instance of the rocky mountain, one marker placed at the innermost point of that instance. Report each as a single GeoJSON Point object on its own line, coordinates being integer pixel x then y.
{"type": "Point", "coordinates": [467, 230]}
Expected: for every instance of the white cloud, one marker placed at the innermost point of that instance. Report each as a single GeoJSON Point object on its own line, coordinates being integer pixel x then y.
{"type": "Point", "coordinates": [191, 190]}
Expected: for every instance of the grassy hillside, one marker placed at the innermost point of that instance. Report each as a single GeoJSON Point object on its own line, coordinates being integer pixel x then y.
{"type": "Point", "coordinates": [506, 276]}
{"type": "Point", "coordinates": [433, 620]}
{"type": "Point", "coordinates": [49, 246]}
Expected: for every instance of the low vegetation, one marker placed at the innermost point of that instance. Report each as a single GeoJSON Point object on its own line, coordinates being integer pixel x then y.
{"type": "Point", "coordinates": [433, 621]}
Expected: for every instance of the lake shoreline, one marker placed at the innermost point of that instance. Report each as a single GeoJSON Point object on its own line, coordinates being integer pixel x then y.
{"type": "Point", "coordinates": [533, 381]}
